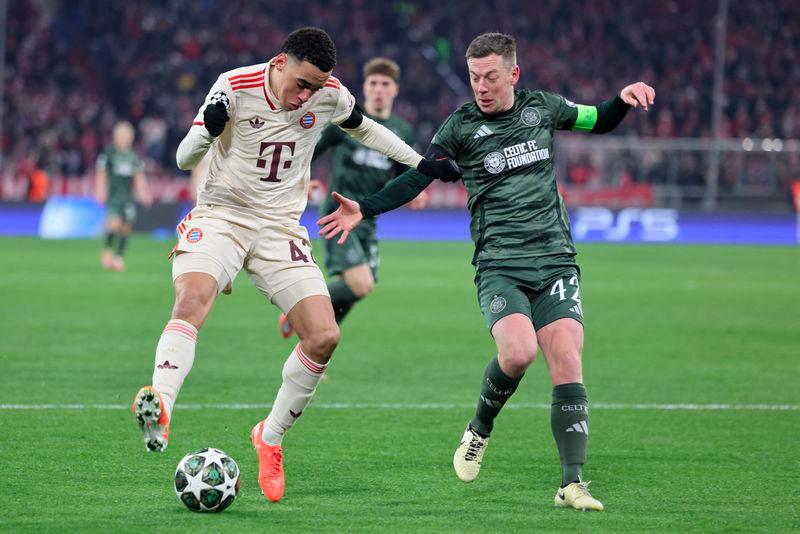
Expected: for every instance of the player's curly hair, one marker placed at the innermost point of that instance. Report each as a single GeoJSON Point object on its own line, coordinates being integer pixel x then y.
{"type": "Point", "coordinates": [313, 45]}
{"type": "Point", "coordinates": [487, 44]}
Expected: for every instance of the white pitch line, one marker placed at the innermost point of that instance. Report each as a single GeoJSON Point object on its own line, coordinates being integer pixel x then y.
{"type": "Point", "coordinates": [429, 406]}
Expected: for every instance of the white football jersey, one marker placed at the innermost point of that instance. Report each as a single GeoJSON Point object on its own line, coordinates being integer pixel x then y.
{"type": "Point", "coordinates": [262, 160]}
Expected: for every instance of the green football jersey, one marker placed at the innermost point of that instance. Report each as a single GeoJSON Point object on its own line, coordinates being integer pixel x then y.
{"type": "Point", "coordinates": [507, 164]}
{"type": "Point", "coordinates": [358, 171]}
{"type": "Point", "coordinates": [120, 167]}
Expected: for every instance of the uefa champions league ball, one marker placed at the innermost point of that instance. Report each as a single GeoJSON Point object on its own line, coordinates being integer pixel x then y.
{"type": "Point", "coordinates": [207, 480]}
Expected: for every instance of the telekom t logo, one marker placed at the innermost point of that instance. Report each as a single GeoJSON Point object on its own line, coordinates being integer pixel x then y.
{"type": "Point", "coordinates": [276, 159]}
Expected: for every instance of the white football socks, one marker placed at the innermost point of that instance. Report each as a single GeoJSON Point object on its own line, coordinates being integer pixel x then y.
{"type": "Point", "coordinates": [300, 378]}
{"type": "Point", "coordinates": [174, 359]}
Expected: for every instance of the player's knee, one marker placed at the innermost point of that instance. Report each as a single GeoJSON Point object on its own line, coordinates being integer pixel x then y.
{"type": "Point", "coordinates": [362, 287]}
{"type": "Point", "coordinates": [515, 360]}
{"type": "Point", "coordinates": [565, 367]}
{"type": "Point", "coordinates": [323, 341]}
{"type": "Point", "coordinates": [191, 304]}
{"type": "Point", "coordinates": [361, 283]}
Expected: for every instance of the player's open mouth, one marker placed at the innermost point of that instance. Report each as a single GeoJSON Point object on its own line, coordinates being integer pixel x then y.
{"type": "Point", "coordinates": [485, 101]}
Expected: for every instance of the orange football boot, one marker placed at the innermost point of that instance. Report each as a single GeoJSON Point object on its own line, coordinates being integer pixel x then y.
{"type": "Point", "coordinates": [284, 326]}
{"type": "Point", "coordinates": [270, 465]}
{"type": "Point", "coordinates": [148, 408]}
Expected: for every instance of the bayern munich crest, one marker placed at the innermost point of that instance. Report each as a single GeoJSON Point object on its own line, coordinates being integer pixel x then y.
{"type": "Point", "coordinates": [308, 120]}
{"type": "Point", "coordinates": [494, 162]}
{"type": "Point", "coordinates": [194, 235]}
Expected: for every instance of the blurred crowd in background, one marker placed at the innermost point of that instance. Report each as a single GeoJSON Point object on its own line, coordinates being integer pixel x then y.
{"type": "Point", "coordinates": [75, 67]}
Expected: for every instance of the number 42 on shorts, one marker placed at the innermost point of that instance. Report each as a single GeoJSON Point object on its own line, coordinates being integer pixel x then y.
{"type": "Point", "coordinates": [559, 289]}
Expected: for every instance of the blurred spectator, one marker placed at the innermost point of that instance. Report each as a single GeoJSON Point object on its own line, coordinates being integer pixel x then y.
{"type": "Point", "coordinates": [75, 67]}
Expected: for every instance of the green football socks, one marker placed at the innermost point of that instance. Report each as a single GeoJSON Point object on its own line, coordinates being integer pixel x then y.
{"type": "Point", "coordinates": [342, 298]}
{"type": "Point", "coordinates": [569, 420]}
{"type": "Point", "coordinates": [496, 389]}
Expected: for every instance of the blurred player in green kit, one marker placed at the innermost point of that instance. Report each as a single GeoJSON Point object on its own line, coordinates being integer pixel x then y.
{"type": "Point", "coordinates": [358, 171]}
{"type": "Point", "coordinates": [119, 171]}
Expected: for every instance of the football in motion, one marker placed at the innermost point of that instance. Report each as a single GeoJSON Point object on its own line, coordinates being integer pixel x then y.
{"type": "Point", "coordinates": [207, 480]}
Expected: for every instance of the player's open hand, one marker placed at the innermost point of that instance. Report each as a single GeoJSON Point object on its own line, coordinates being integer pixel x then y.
{"type": "Point", "coordinates": [638, 94]}
{"type": "Point", "coordinates": [343, 220]}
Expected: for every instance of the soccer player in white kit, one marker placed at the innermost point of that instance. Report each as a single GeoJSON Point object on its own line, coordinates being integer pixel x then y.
{"type": "Point", "coordinates": [260, 124]}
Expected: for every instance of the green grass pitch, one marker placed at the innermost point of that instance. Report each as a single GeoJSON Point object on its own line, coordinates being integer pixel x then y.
{"type": "Point", "coordinates": [666, 325]}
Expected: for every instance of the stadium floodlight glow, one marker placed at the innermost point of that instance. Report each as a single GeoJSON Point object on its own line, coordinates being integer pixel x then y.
{"type": "Point", "coordinates": [777, 145]}
{"type": "Point", "coordinates": [747, 144]}
{"type": "Point", "coordinates": [766, 145]}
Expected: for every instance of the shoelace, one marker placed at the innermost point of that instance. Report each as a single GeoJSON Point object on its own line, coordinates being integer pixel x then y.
{"type": "Point", "coordinates": [474, 447]}
{"type": "Point", "coordinates": [583, 487]}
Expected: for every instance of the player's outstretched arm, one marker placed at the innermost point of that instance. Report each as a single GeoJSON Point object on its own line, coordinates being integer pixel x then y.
{"type": "Point", "coordinates": [606, 116]}
{"type": "Point", "coordinates": [377, 137]}
{"type": "Point", "coordinates": [398, 192]}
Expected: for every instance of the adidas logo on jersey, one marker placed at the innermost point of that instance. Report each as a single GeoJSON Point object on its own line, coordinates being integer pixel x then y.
{"type": "Point", "coordinates": [483, 131]}
{"type": "Point", "coordinates": [256, 123]}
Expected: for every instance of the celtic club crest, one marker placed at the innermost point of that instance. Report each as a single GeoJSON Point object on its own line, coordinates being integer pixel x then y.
{"type": "Point", "coordinates": [531, 116]}
{"type": "Point", "coordinates": [494, 162]}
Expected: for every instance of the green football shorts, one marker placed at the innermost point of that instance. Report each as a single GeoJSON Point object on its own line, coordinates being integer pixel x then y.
{"type": "Point", "coordinates": [543, 288]}
{"type": "Point", "coordinates": [122, 209]}
{"type": "Point", "coordinates": [360, 247]}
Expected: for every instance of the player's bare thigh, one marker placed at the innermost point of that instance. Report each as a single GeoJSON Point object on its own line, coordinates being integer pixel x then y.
{"type": "Point", "coordinates": [562, 344]}
{"type": "Point", "coordinates": [114, 223]}
{"type": "Point", "coordinates": [515, 338]}
{"type": "Point", "coordinates": [195, 293]}
{"type": "Point", "coordinates": [315, 324]}
{"type": "Point", "coordinates": [359, 279]}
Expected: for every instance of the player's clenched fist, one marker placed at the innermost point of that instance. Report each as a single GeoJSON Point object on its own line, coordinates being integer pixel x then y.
{"type": "Point", "coordinates": [216, 113]}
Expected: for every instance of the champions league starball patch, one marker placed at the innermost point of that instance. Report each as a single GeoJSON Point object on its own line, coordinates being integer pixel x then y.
{"type": "Point", "coordinates": [531, 116]}
{"type": "Point", "coordinates": [308, 120]}
{"type": "Point", "coordinates": [220, 97]}
{"type": "Point", "coordinates": [194, 235]}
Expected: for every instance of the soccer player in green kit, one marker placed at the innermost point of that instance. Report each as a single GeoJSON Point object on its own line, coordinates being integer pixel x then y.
{"type": "Point", "coordinates": [357, 171]}
{"type": "Point", "coordinates": [527, 279]}
{"type": "Point", "coordinates": [119, 170]}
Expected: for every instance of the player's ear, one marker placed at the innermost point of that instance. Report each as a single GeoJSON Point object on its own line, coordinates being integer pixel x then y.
{"type": "Point", "coordinates": [515, 75]}
{"type": "Point", "coordinates": [280, 61]}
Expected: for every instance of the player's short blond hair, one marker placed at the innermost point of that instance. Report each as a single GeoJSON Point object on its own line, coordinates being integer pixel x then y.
{"type": "Point", "coordinates": [486, 44]}
{"type": "Point", "coordinates": [382, 65]}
